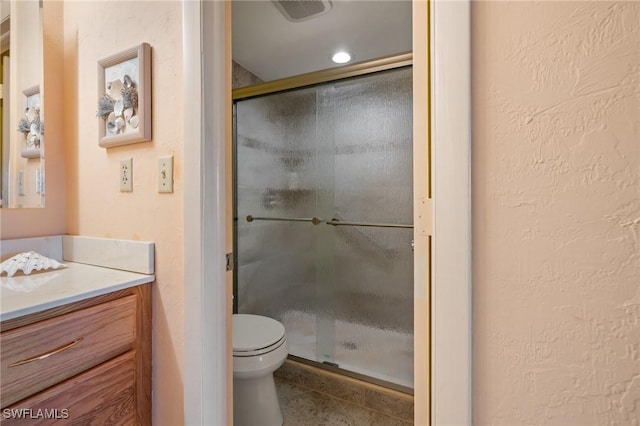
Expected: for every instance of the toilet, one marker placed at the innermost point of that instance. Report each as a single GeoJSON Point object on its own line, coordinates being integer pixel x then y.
{"type": "Point", "coordinates": [259, 348]}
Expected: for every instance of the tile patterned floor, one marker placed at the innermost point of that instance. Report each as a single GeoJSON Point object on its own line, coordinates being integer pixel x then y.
{"type": "Point", "coordinates": [302, 406]}
{"type": "Point", "coordinates": [365, 395]}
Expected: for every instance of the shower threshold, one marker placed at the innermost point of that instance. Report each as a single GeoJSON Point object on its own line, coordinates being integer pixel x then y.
{"type": "Point", "coordinates": [352, 374]}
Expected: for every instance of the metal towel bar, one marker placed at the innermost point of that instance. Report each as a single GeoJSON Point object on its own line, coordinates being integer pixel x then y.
{"type": "Point", "coordinates": [335, 222]}
{"type": "Point", "coordinates": [313, 220]}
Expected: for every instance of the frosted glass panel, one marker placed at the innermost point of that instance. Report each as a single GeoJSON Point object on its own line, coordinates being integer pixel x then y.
{"type": "Point", "coordinates": [275, 177]}
{"type": "Point", "coordinates": [336, 151]}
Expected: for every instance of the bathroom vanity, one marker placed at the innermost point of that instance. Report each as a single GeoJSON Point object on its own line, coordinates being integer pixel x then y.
{"type": "Point", "coordinates": [75, 346]}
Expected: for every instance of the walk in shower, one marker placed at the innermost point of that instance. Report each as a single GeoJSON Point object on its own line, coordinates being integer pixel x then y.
{"type": "Point", "coordinates": [323, 220]}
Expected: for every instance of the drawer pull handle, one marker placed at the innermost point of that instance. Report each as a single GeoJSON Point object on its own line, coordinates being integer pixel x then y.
{"type": "Point", "coordinates": [48, 354]}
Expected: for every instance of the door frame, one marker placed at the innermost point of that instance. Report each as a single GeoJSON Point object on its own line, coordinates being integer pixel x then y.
{"type": "Point", "coordinates": [443, 49]}
{"type": "Point", "coordinates": [451, 291]}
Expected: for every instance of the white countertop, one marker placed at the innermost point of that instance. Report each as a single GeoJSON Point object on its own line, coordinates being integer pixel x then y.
{"type": "Point", "coordinates": [27, 294]}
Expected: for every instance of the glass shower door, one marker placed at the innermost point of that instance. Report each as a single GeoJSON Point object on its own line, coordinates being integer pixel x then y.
{"type": "Point", "coordinates": [278, 191]}
{"type": "Point", "coordinates": [342, 284]}
{"type": "Point", "coordinates": [368, 123]}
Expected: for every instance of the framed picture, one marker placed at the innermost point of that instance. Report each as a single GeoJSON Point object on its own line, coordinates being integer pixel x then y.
{"type": "Point", "coordinates": [124, 97]}
{"type": "Point", "coordinates": [31, 124]}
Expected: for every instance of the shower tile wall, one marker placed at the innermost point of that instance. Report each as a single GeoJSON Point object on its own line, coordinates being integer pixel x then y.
{"type": "Point", "coordinates": [342, 151]}
{"type": "Point", "coordinates": [242, 77]}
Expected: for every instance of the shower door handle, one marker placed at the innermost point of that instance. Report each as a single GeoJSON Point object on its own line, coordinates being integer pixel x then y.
{"type": "Point", "coordinates": [314, 220]}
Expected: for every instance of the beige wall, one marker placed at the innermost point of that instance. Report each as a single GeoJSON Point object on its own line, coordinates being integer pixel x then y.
{"type": "Point", "coordinates": [556, 213]}
{"type": "Point", "coordinates": [95, 206]}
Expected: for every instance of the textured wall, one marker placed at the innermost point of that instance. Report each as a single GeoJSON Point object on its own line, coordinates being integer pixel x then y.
{"type": "Point", "coordinates": [556, 182]}
{"type": "Point", "coordinates": [96, 207]}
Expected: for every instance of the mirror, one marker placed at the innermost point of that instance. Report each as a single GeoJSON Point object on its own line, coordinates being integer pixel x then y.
{"type": "Point", "coordinates": [22, 182]}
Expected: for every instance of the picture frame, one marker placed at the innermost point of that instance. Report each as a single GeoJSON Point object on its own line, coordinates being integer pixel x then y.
{"type": "Point", "coordinates": [124, 97]}
{"type": "Point", "coordinates": [31, 124]}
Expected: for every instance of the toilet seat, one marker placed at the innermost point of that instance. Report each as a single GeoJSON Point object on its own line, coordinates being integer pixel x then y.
{"type": "Point", "coordinates": [255, 335]}
{"type": "Point", "coordinates": [260, 351]}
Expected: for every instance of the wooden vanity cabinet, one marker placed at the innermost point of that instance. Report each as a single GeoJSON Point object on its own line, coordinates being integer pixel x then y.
{"type": "Point", "coordinates": [85, 363]}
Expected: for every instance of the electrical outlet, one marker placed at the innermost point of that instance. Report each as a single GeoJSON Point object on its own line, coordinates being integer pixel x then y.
{"type": "Point", "coordinates": [21, 183]}
{"type": "Point", "coordinates": [165, 174]}
{"type": "Point", "coordinates": [126, 175]}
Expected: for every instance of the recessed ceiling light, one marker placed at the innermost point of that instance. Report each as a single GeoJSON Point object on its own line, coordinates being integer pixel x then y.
{"type": "Point", "coordinates": [341, 57]}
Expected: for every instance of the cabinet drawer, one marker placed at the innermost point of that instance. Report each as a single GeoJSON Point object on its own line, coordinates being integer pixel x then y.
{"type": "Point", "coordinates": [103, 395]}
{"type": "Point", "coordinates": [39, 355]}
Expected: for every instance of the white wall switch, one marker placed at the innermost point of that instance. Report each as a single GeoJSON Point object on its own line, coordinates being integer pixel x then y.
{"type": "Point", "coordinates": [165, 174]}
{"type": "Point", "coordinates": [21, 183]}
{"type": "Point", "coordinates": [37, 181]}
{"type": "Point", "coordinates": [126, 175]}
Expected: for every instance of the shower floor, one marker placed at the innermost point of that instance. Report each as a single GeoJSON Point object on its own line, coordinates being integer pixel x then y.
{"type": "Point", "coordinates": [382, 354]}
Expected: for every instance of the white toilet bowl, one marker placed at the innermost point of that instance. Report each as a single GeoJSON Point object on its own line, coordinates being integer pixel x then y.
{"type": "Point", "coordinates": [259, 348]}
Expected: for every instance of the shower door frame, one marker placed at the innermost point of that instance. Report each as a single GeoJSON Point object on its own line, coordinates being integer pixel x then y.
{"type": "Point", "coordinates": [323, 76]}
{"type": "Point", "coordinates": [442, 97]}
{"type": "Point", "coordinates": [304, 81]}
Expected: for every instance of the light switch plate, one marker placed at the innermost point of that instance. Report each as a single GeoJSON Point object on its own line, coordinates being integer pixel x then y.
{"type": "Point", "coordinates": [126, 175]}
{"type": "Point", "coordinates": [21, 183]}
{"type": "Point", "coordinates": [165, 174]}
{"type": "Point", "coordinates": [38, 184]}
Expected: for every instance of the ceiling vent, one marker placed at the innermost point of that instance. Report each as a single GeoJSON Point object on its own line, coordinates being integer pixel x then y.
{"type": "Point", "coordinates": [301, 10]}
